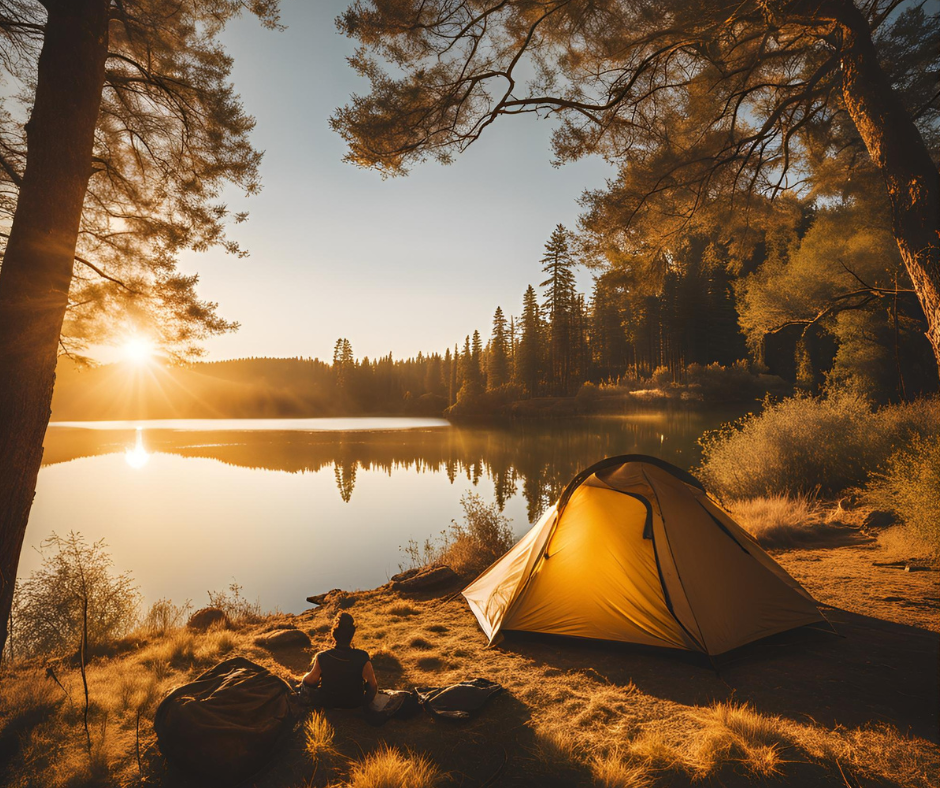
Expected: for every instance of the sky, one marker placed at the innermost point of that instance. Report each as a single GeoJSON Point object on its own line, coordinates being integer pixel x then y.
{"type": "Point", "coordinates": [398, 265]}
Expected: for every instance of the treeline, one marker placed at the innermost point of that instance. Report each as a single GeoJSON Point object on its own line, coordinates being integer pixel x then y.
{"type": "Point", "coordinates": [561, 340]}
{"type": "Point", "coordinates": [818, 301]}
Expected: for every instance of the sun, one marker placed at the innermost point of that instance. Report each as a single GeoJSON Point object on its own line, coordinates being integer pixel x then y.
{"type": "Point", "coordinates": [138, 350]}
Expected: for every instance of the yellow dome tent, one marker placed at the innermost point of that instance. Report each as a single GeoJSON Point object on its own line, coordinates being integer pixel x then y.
{"type": "Point", "coordinates": [635, 551]}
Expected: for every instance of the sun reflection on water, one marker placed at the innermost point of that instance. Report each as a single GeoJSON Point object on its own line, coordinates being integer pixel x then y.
{"type": "Point", "coordinates": [138, 456]}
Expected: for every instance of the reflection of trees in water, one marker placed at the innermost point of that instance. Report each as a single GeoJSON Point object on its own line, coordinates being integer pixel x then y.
{"type": "Point", "coordinates": [345, 479]}
{"type": "Point", "coordinates": [534, 459]}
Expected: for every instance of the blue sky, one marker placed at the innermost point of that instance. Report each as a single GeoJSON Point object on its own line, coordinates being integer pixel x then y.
{"type": "Point", "coordinates": [400, 265]}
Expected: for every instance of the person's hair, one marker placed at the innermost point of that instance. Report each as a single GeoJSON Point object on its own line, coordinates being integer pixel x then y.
{"type": "Point", "coordinates": [343, 629]}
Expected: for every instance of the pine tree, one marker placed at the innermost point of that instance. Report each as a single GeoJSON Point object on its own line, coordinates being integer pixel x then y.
{"type": "Point", "coordinates": [448, 376]}
{"type": "Point", "coordinates": [559, 306]}
{"type": "Point", "coordinates": [453, 383]}
{"type": "Point", "coordinates": [529, 351]}
{"type": "Point", "coordinates": [471, 385]}
{"type": "Point", "coordinates": [476, 361]}
{"type": "Point", "coordinates": [497, 369]}
{"type": "Point", "coordinates": [343, 363]}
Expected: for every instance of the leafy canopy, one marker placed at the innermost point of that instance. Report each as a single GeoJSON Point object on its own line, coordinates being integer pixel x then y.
{"type": "Point", "coordinates": [698, 105]}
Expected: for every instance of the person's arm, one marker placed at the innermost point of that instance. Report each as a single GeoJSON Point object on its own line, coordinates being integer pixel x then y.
{"type": "Point", "coordinates": [313, 677]}
{"type": "Point", "coordinates": [372, 686]}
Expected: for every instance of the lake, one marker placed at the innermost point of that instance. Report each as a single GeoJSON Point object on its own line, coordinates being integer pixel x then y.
{"type": "Point", "coordinates": [293, 507]}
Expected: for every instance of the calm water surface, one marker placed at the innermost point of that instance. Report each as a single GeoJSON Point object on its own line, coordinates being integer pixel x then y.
{"type": "Point", "coordinates": [293, 507]}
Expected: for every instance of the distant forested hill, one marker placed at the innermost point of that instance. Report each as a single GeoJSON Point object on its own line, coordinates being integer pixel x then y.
{"type": "Point", "coordinates": [243, 388]}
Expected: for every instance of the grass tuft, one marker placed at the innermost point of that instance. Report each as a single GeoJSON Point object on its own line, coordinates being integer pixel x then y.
{"type": "Point", "coordinates": [614, 771]}
{"type": "Point", "coordinates": [389, 767]}
{"type": "Point", "coordinates": [318, 736]}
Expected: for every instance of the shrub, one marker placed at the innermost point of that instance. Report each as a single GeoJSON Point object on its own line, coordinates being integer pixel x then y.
{"type": "Point", "coordinates": [49, 608]}
{"type": "Point", "coordinates": [910, 487]}
{"type": "Point", "coordinates": [164, 615]}
{"type": "Point", "coordinates": [808, 444]}
{"type": "Point", "coordinates": [235, 606]}
{"type": "Point", "coordinates": [470, 546]}
{"type": "Point", "coordinates": [482, 537]}
{"type": "Point", "coordinates": [735, 383]}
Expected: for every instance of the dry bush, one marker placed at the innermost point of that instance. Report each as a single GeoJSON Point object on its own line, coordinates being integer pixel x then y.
{"type": "Point", "coordinates": [910, 487]}
{"type": "Point", "coordinates": [237, 607]}
{"type": "Point", "coordinates": [403, 610]}
{"type": "Point", "coordinates": [49, 607]}
{"type": "Point", "coordinates": [808, 444]}
{"type": "Point", "coordinates": [469, 546]}
{"type": "Point", "coordinates": [483, 536]}
{"type": "Point", "coordinates": [164, 615]}
{"type": "Point", "coordinates": [389, 767]}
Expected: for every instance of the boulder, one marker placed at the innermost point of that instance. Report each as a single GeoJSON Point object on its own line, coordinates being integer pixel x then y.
{"type": "Point", "coordinates": [435, 577]}
{"type": "Point", "coordinates": [283, 638]}
{"type": "Point", "coordinates": [322, 599]}
{"type": "Point", "coordinates": [207, 617]}
{"type": "Point", "coordinates": [337, 597]}
{"type": "Point", "coordinates": [408, 573]}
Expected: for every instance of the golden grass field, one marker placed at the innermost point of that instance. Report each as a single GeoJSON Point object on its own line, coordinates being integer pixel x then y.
{"type": "Point", "coordinates": [805, 708]}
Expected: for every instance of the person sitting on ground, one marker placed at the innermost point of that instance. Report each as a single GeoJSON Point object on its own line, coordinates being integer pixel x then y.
{"type": "Point", "coordinates": [340, 677]}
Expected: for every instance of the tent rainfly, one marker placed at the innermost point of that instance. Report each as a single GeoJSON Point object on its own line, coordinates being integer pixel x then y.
{"type": "Point", "coordinates": [635, 551]}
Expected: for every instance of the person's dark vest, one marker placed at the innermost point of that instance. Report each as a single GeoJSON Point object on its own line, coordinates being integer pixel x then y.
{"type": "Point", "coordinates": [341, 681]}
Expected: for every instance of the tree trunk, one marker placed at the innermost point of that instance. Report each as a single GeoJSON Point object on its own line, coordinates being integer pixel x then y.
{"type": "Point", "coordinates": [895, 145]}
{"type": "Point", "coordinates": [37, 265]}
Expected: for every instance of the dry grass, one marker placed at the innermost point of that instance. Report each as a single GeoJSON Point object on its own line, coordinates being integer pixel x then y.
{"type": "Point", "coordinates": [778, 521]}
{"type": "Point", "coordinates": [902, 544]}
{"type": "Point", "coordinates": [567, 717]}
{"type": "Point", "coordinates": [730, 732]}
{"type": "Point", "coordinates": [389, 767]}
{"type": "Point", "coordinates": [615, 771]}
{"type": "Point", "coordinates": [318, 736]}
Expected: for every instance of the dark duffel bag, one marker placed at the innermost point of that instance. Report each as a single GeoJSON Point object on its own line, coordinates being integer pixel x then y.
{"type": "Point", "coordinates": [225, 726]}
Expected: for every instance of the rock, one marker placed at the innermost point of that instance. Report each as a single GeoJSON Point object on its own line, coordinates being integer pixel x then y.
{"type": "Point", "coordinates": [337, 597]}
{"type": "Point", "coordinates": [207, 617]}
{"type": "Point", "coordinates": [429, 578]}
{"type": "Point", "coordinates": [283, 638]}
{"type": "Point", "coordinates": [408, 573]}
{"type": "Point", "coordinates": [322, 599]}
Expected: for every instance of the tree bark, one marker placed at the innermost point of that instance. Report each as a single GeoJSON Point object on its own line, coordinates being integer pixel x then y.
{"type": "Point", "coordinates": [37, 266]}
{"type": "Point", "coordinates": [897, 148]}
